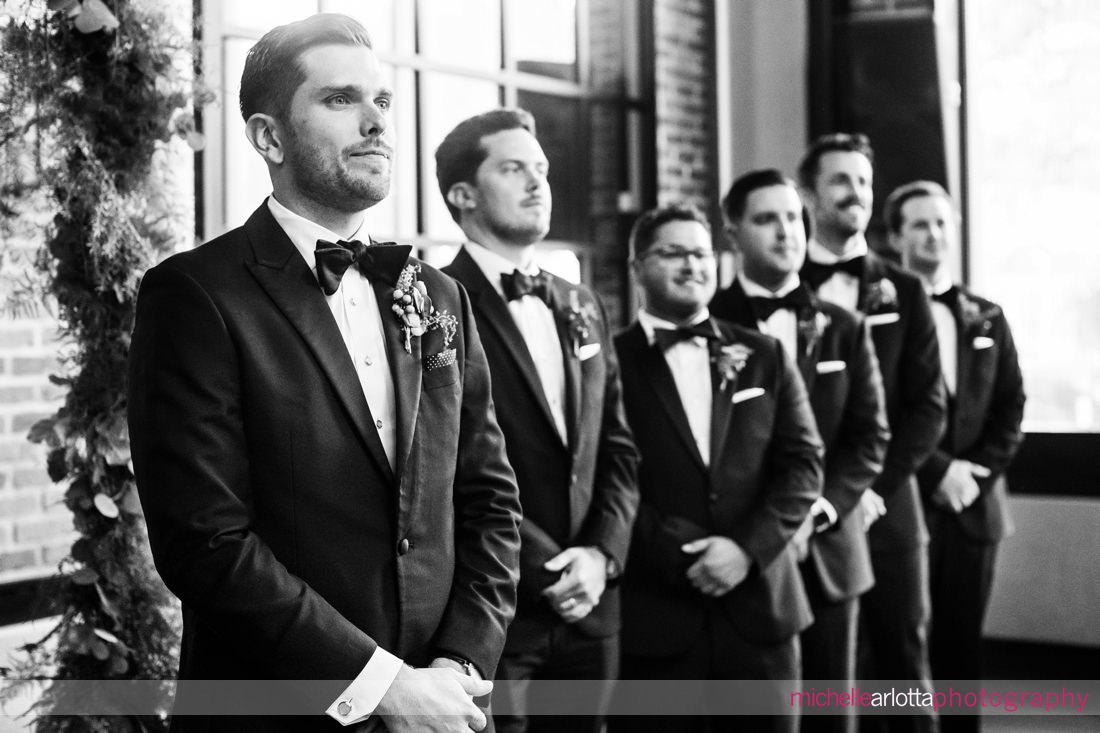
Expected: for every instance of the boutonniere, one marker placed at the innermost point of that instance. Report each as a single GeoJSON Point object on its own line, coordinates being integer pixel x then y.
{"type": "Point", "coordinates": [811, 329]}
{"type": "Point", "coordinates": [729, 360]}
{"type": "Point", "coordinates": [580, 320]}
{"type": "Point", "coordinates": [415, 310]}
{"type": "Point", "coordinates": [882, 296]}
{"type": "Point", "coordinates": [973, 316]}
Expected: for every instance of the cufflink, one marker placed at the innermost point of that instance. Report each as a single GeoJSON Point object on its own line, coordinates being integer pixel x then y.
{"type": "Point", "coordinates": [343, 708]}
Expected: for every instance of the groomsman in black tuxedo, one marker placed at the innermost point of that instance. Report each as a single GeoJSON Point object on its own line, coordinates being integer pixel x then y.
{"type": "Point", "coordinates": [962, 482]}
{"type": "Point", "coordinates": [836, 178]}
{"type": "Point", "coordinates": [556, 379]}
{"type": "Point", "coordinates": [732, 467]}
{"type": "Point", "coordinates": [833, 350]}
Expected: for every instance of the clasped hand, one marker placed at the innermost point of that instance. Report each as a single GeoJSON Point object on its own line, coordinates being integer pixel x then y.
{"type": "Point", "coordinates": [721, 566]}
{"type": "Point", "coordinates": [958, 488]}
{"type": "Point", "coordinates": [582, 582]}
{"type": "Point", "coordinates": [436, 699]}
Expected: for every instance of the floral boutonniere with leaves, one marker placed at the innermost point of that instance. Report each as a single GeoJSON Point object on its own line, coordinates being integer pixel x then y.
{"type": "Point", "coordinates": [728, 360]}
{"type": "Point", "coordinates": [415, 310]}
{"type": "Point", "coordinates": [811, 328]}
{"type": "Point", "coordinates": [882, 296]}
{"type": "Point", "coordinates": [580, 320]}
{"type": "Point", "coordinates": [973, 316]}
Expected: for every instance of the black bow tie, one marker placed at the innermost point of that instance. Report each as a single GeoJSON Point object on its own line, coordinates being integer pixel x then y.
{"type": "Point", "coordinates": [763, 307]}
{"type": "Point", "coordinates": [947, 297]}
{"type": "Point", "coordinates": [517, 284]}
{"type": "Point", "coordinates": [382, 261]}
{"type": "Point", "coordinates": [666, 338]}
{"type": "Point", "coordinates": [815, 273]}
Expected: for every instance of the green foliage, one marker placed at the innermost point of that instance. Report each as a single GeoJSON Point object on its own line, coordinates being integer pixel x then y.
{"type": "Point", "coordinates": [85, 116]}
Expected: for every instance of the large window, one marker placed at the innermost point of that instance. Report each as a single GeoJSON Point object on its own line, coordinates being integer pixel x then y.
{"type": "Point", "coordinates": [1033, 69]}
{"type": "Point", "coordinates": [564, 60]}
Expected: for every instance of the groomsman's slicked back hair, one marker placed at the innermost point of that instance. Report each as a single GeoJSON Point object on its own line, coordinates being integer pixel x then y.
{"type": "Point", "coordinates": [733, 204]}
{"type": "Point", "coordinates": [272, 72]}
{"type": "Point", "coordinates": [461, 153]}
{"type": "Point", "coordinates": [837, 142]}
{"type": "Point", "coordinates": [642, 233]}
{"type": "Point", "coordinates": [891, 210]}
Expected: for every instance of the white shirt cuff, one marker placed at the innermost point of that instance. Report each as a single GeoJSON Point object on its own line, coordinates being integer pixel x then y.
{"type": "Point", "coordinates": [824, 506]}
{"type": "Point", "coordinates": [362, 696]}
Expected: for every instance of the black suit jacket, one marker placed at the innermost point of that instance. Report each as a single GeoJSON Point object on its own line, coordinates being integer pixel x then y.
{"type": "Point", "coordinates": [765, 472]}
{"type": "Point", "coordinates": [904, 335]}
{"type": "Point", "coordinates": [838, 365]}
{"type": "Point", "coordinates": [272, 511]}
{"type": "Point", "coordinates": [583, 493]}
{"type": "Point", "coordinates": [984, 418]}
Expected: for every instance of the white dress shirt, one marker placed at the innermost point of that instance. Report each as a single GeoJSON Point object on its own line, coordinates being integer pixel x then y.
{"type": "Point", "coordinates": [689, 361]}
{"type": "Point", "coordinates": [783, 322]}
{"type": "Point", "coordinates": [357, 315]}
{"type": "Point", "coordinates": [536, 323]}
{"type": "Point", "coordinates": [947, 333]}
{"type": "Point", "coordinates": [841, 288]}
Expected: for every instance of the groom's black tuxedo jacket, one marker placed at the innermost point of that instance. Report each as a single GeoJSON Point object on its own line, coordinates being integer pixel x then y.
{"type": "Point", "coordinates": [583, 493]}
{"type": "Point", "coordinates": [272, 510]}
{"type": "Point", "coordinates": [764, 474]}
{"type": "Point", "coordinates": [838, 365]}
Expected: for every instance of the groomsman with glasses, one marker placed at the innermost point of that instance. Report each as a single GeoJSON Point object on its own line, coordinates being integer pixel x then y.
{"type": "Point", "coordinates": [962, 483]}
{"type": "Point", "coordinates": [833, 351]}
{"type": "Point", "coordinates": [836, 176]}
{"type": "Point", "coordinates": [732, 466]}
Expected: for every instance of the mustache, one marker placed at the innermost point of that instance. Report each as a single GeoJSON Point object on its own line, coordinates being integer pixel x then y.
{"type": "Point", "coordinates": [850, 201]}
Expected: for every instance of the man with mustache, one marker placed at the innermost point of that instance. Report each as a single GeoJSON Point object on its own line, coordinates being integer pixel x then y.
{"type": "Point", "coordinates": [836, 176]}
{"type": "Point", "coordinates": [323, 477]}
{"type": "Point", "coordinates": [554, 368]}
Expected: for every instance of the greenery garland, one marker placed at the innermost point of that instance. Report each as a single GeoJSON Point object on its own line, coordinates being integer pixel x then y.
{"type": "Point", "coordinates": [96, 90]}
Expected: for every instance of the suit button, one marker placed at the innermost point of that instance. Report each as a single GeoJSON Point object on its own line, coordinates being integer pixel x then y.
{"type": "Point", "coordinates": [402, 547]}
{"type": "Point", "coordinates": [713, 496]}
{"type": "Point", "coordinates": [573, 479]}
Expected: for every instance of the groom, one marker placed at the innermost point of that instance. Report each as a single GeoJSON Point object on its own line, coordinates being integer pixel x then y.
{"type": "Point", "coordinates": [315, 444]}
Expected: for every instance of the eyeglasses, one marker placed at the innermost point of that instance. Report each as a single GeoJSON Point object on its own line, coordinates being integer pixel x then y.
{"type": "Point", "coordinates": [671, 252]}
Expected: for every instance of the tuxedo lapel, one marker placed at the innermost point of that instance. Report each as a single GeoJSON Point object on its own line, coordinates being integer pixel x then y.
{"type": "Point", "coordinates": [721, 413]}
{"type": "Point", "coordinates": [283, 274]}
{"type": "Point", "coordinates": [964, 353]}
{"type": "Point", "coordinates": [873, 271]}
{"type": "Point", "coordinates": [494, 312]}
{"type": "Point", "coordinates": [573, 378]}
{"type": "Point", "coordinates": [407, 373]}
{"type": "Point", "coordinates": [651, 362]}
{"type": "Point", "coordinates": [806, 357]}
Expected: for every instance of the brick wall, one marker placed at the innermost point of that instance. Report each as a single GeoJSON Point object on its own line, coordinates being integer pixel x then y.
{"type": "Point", "coordinates": [35, 527]}
{"type": "Point", "coordinates": [684, 78]}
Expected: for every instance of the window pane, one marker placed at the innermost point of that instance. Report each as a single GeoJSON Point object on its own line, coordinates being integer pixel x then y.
{"type": "Point", "coordinates": [466, 33]}
{"type": "Point", "coordinates": [1033, 70]}
{"type": "Point", "coordinates": [543, 36]}
{"type": "Point", "coordinates": [246, 179]}
{"type": "Point", "coordinates": [446, 100]}
{"type": "Point", "coordinates": [267, 14]}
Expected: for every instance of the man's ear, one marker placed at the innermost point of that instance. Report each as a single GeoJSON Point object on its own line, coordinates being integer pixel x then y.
{"type": "Point", "coordinates": [263, 132]}
{"type": "Point", "coordinates": [462, 196]}
{"type": "Point", "coordinates": [731, 230]}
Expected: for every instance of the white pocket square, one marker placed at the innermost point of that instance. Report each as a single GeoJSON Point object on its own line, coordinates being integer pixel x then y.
{"type": "Point", "coordinates": [881, 319]}
{"type": "Point", "coordinates": [747, 394]}
{"type": "Point", "coordinates": [982, 342]}
{"type": "Point", "coordinates": [828, 367]}
{"type": "Point", "coordinates": [587, 351]}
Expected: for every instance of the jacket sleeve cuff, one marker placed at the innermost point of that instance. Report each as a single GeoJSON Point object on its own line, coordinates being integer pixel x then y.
{"type": "Point", "coordinates": [362, 696]}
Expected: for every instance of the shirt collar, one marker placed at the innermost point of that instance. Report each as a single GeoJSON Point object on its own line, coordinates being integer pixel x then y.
{"type": "Point", "coordinates": [304, 233]}
{"type": "Point", "coordinates": [940, 285]}
{"type": "Point", "coordinates": [494, 266]}
{"type": "Point", "coordinates": [651, 323]}
{"type": "Point", "coordinates": [817, 252]}
{"type": "Point", "coordinates": [755, 290]}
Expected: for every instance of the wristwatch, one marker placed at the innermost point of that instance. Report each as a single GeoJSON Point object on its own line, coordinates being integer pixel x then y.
{"type": "Point", "coordinates": [466, 664]}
